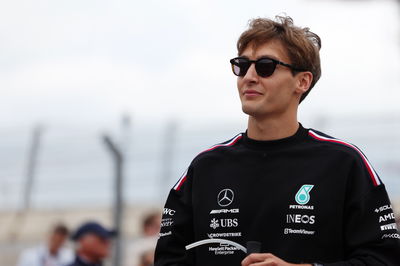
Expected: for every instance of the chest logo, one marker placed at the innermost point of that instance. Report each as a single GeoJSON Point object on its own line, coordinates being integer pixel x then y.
{"type": "Point", "coordinates": [303, 195]}
{"type": "Point", "coordinates": [225, 197]}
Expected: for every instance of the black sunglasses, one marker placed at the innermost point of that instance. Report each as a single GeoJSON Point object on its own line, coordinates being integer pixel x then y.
{"type": "Point", "coordinates": [265, 66]}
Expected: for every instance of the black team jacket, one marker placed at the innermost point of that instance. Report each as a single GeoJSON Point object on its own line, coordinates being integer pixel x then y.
{"type": "Point", "coordinates": [308, 198]}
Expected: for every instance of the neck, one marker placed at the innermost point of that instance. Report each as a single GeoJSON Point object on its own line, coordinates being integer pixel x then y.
{"type": "Point", "coordinates": [272, 128]}
{"type": "Point", "coordinates": [53, 251]}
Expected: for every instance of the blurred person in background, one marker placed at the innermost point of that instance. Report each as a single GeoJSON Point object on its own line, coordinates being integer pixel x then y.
{"type": "Point", "coordinates": [306, 198]}
{"type": "Point", "coordinates": [141, 250]}
{"type": "Point", "coordinates": [52, 253]}
{"type": "Point", "coordinates": [147, 258]}
{"type": "Point", "coordinates": [151, 225]}
{"type": "Point", "coordinates": [93, 244]}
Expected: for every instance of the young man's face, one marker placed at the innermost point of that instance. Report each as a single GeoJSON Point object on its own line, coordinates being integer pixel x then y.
{"type": "Point", "coordinates": [56, 241]}
{"type": "Point", "coordinates": [269, 96]}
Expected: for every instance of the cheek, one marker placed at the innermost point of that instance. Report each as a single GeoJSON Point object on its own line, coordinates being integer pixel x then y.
{"type": "Point", "coordinates": [59, 242]}
{"type": "Point", "coordinates": [269, 87]}
{"type": "Point", "coordinates": [239, 83]}
{"type": "Point", "coordinates": [277, 88]}
{"type": "Point", "coordinates": [106, 249]}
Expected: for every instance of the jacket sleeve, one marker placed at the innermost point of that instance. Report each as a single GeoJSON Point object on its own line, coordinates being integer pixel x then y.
{"type": "Point", "coordinates": [176, 225]}
{"type": "Point", "coordinates": [370, 231]}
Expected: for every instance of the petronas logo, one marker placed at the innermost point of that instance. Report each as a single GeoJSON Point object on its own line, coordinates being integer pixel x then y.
{"type": "Point", "coordinates": [303, 195]}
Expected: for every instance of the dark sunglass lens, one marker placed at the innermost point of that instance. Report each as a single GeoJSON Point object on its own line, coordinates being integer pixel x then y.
{"type": "Point", "coordinates": [265, 67]}
{"type": "Point", "coordinates": [236, 69]}
{"type": "Point", "coordinates": [240, 66]}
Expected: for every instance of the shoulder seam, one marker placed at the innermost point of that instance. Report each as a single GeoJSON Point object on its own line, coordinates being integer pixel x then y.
{"type": "Point", "coordinates": [181, 180]}
{"type": "Point", "coordinates": [228, 143]}
{"type": "Point", "coordinates": [374, 176]}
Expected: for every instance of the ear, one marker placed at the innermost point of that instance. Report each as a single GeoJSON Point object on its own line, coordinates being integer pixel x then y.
{"type": "Point", "coordinates": [303, 82]}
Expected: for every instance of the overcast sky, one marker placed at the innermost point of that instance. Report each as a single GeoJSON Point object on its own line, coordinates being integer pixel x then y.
{"type": "Point", "coordinates": [82, 61]}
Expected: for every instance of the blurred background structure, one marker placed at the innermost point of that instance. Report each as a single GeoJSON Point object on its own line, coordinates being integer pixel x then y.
{"type": "Point", "coordinates": [154, 77]}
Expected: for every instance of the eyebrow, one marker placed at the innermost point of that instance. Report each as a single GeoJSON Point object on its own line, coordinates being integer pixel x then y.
{"type": "Point", "coordinates": [262, 56]}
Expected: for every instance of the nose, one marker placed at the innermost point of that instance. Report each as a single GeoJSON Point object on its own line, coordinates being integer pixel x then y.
{"type": "Point", "coordinates": [251, 74]}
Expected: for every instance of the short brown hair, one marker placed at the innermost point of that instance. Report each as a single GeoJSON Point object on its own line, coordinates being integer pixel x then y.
{"type": "Point", "coordinates": [301, 44]}
{"type": "Point", "coordinates": [61, 229]}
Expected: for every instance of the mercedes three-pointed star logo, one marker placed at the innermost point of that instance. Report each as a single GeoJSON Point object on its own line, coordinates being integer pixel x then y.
{"type": "Point", "coordinates": [225, 197]}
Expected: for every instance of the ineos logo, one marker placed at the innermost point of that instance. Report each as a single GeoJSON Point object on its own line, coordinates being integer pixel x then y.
{"type": "Point", "coordinates": [225, 197]}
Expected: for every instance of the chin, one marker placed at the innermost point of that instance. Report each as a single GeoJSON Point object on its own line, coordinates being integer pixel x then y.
{"type": "Point", "coordinates": [250, 110]}
{"type": "Point", "coordinates": [257, 111]}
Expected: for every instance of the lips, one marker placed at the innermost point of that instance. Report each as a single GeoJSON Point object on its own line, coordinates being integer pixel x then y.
{"type": "Point", "coordinates": [250, 92]}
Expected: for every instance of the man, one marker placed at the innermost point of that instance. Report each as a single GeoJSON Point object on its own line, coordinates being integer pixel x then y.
{"type": "Point", "coordinates": [52, 253]}
{"type": "Point", "coordinates": [93, 244]}
{"type": "Point", "coordinates": [151, 224]}
{"type": "Point", "coordinates": [140, 251]}
{"type": "Point", "coordinates": [147, 258]}
{"type": "Point", "coordinates": [308, 198]}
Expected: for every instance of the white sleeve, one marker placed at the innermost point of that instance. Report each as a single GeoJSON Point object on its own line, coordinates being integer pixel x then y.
{"type": "Point", "coordinates": [28, 257]}
{"type": "Point", "coordinates": [67, 256]}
